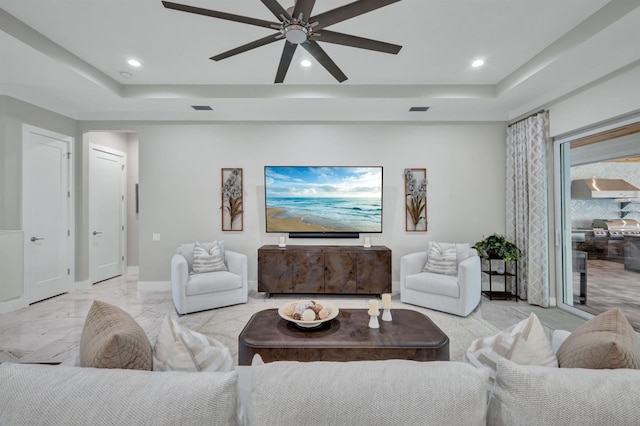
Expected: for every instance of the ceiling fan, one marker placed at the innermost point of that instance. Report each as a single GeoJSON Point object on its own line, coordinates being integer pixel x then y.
{"type": "Point", "coordinates": [297, 27]}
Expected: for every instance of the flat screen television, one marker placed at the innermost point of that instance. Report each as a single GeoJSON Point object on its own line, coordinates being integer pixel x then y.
{"type": "Point", "coordinates": [314, 201]}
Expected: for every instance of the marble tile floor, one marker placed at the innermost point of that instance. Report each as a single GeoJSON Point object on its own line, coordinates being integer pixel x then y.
{"type": "Point", "coordinates": [49, 331]}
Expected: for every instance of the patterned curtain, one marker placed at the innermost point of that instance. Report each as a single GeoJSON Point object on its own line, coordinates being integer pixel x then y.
{"type": "Point", "coordinates": [527, 204]}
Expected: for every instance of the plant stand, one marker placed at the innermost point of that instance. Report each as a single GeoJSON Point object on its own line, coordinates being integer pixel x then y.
{"type": "Point", "coordinates": [513, 276]}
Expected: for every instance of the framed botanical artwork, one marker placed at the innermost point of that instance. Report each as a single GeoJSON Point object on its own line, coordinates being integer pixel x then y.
{"type": "Point", "coordinates": [415, 189]}
{"type": "Point", "coordinates": [232, 203]}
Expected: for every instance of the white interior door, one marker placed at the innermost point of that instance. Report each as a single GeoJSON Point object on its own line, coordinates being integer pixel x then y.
{"type": "Point", "coordinates": [47, 213]}
{"type": "Point", "coordinates": [106, 213]}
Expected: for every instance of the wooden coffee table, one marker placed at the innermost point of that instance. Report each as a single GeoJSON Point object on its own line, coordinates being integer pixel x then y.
{"type": "Point", "coordinates": [411, 335]}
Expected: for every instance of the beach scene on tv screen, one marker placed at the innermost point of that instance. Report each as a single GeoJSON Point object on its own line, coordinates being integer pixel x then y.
{"type": "Point", "coordinates": [323, 199]}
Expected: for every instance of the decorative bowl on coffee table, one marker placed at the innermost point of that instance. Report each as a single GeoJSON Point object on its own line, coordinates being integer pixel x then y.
{"type": "Point", "coordinates": [330, 307]}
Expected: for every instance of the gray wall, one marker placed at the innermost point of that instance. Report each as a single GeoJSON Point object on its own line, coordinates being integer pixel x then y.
{"type": "Point", "coordinates": [180, 181]}
{"type": "Point", "coordinates": [132, 215]}
{"type": "Point", "coordinates": [616, 95]}
{"type": "Point", "coordinates": [3, 157]}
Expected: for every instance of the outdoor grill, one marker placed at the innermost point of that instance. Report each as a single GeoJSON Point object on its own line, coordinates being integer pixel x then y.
{"type": "Point", "coordinates": [615, 227]}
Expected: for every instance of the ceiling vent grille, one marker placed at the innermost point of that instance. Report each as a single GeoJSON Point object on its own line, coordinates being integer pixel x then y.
{"type": "Point", "coordinates": [202, 107]}
{"type": "Point", "coordinates": [418, 109]}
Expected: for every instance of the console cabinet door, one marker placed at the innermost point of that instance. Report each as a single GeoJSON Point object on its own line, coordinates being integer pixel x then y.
{"type": "Point", "coordinates": [275, 272]}
{"type": "Point", "coordinates": [373, 272]}
{"type": "Point", "coordinates": [339, 272]}
{"type": "Point", "coordinates": [308, 272]}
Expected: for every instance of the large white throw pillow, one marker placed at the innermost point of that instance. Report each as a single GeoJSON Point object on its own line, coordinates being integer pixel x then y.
{"type": "Point", "coordinates": [524, 343]}
{"type": "Point", "coordinates": [441, 260]}
{"type": "Point", "coordinates": [179, 349]}
{"type": "Point", "coordinates": [208, 257]}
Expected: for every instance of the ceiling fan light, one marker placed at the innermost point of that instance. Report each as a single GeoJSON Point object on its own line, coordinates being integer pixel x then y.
{"type": "Point", "coordinates": [295, 33]}
{"type": "Point", "coordinates": [298, 25]}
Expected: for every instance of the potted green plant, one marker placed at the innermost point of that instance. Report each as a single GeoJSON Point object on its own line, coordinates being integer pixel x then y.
{"type": "Point", "coordinates": [496, 246]}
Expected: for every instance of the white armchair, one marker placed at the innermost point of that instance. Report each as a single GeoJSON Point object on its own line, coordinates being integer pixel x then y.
{"type": "Point", "coordinates": [197, 292]}
{"type": "Point", "coordinates": [455, 294]}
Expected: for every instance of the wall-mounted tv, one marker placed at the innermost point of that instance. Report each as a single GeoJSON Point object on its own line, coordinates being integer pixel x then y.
{"type": "Point", "coordinates": [314, 201]}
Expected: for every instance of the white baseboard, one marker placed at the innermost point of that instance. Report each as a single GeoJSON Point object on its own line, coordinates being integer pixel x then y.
{"type": "Point", "coordinates": [82, 285]}
{"type": "Point", "coordinates": [23, 302]}
{"type": "Point", "coordinates": [133, 270]}
{"type": "Point", "coordinates": [154, 285]}
{"type": "Point", "coordinates": [13, 305]}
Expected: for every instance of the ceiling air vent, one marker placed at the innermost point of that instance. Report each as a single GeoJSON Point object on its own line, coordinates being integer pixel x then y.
{"type": "Point", "coordinates": [202, 107]}
{"type": "Point", "coordinates": [416, 109]}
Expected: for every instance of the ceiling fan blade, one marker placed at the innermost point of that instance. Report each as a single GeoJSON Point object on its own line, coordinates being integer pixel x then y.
{"type": "Point", "coordinates": [355, 41]}
{"type": "Point", "coordinates": [324, 59]}
{"type": "Point", "coordinates": [257, 43]}
{"type": "Point", "coordinates": [285, 61]}
{"type": "Point", "coordinates": [277, 10]}
{"type": "Point", "coordinates": [303, 7]}
{"type": "Point", "coordinates": [220, 15]}
{"type": "Point", "coordinates": [347, 11]}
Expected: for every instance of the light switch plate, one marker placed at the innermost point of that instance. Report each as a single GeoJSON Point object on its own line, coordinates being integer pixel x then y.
{"type": "Point", "coordinates": [156, 237]}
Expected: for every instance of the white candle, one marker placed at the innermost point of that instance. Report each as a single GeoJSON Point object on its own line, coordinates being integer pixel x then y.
{"type": "Point", "coordinates": [373, 306]}
{"type": "Point", "coordinates": [386, 300]}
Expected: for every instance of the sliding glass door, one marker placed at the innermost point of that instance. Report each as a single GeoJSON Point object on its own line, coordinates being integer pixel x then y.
{"type": "Point", "coordinates": [598, 223]}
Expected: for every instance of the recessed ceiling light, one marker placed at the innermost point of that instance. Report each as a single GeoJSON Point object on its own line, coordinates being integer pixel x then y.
{"type": "Point", "coordinates": [477, 63]}
{"type": "Point", "coordinates": [134, 63]}
{"type": "Point", "coordinates": [418, 108]}
{"type": "Point", "coordinates": [125, 74]}
{"type": "Point", "coordinates": [305, 63]}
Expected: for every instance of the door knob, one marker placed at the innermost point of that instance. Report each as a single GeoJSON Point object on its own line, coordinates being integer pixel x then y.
{"type": "Point", "coordinates": [96, 232]}
{"type": "Point", "coordinates": [34, 239]}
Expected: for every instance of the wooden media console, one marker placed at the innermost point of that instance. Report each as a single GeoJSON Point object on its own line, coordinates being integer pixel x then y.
{"type": "Point", "coordinates": [324, 269]}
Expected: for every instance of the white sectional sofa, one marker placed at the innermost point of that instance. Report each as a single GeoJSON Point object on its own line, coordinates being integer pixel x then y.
{"type": "Point", "coordinates": [390, 392]}
{"type": "Point", "coordinates": [490, 388]}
